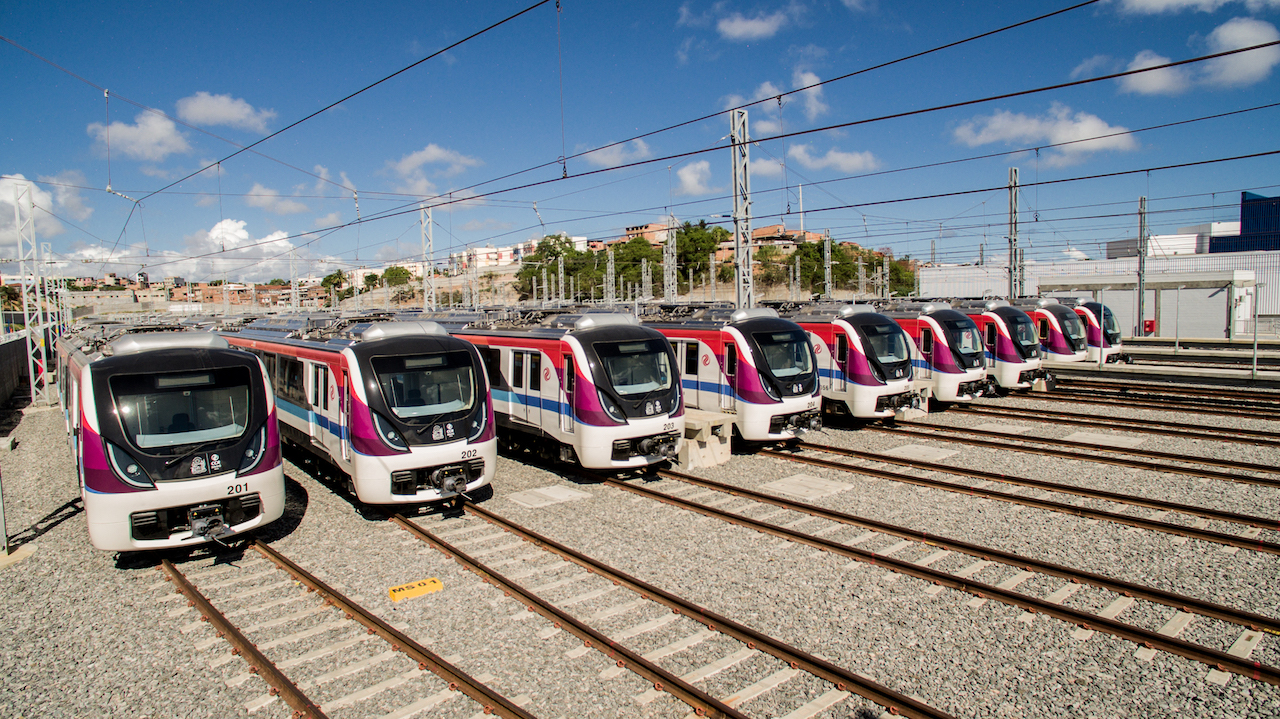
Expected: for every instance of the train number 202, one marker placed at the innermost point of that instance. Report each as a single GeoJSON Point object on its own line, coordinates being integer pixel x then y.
{"type": "Point", "coordinates": [237, 488]}
{"type": "Point", "coordinates": [470, 453]}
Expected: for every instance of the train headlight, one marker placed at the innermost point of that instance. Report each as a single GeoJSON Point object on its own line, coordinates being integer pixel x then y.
{"type": "Point", "coordinates": [127, 468]}
{"type": "Point", "coordinates": [253, 453]}
{"type": "Point", "coordinates": [769, 389]}
{"type": "Point", "coordinates": [388, 433]}
{"type": "Point", "coordinates": [611, 408]}
{"type": "Point", "coordinates": [477, 424]}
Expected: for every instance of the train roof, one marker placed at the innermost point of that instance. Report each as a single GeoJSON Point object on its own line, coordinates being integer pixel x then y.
{"type": "Point", "coordinates": [912, 310]}
{"type": "Point", "coordinates": [332, 331]}
{"type": "Point", "coordinates": [711, 317]}
{"type": "Point", "coordinates": [105, 339]}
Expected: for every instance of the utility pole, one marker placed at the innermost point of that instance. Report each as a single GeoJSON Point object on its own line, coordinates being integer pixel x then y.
{"type": "Point", "coordinates": [826, 265]}
{"type": "Point", "coordinates": [293, 283]}
{"type": "Point", "coordinates": [610, 281]}
{"type": "Point", "coordinates": [560, 262]}
{"type": "Point", "coordinates": [646, 279]}
{"type": "Point", "coordinates": [670, 288]}
{"type": "Point", "coordinates": [1015, 254]}
{"type": "Point", "coordinates": [795, 287]}
{"type": "Point", "coordinates": [428, 250]}
{"type": "Point", "coordinates": [711, 272]}
{"type": "Point", "coordinates": [1139, 331]}
{"type": "Point", "coordinates": [545, 294]}
{"type": "Point", "coordinates": [745, 288]}
{"type": "Point", "coordinates": [862, 278]}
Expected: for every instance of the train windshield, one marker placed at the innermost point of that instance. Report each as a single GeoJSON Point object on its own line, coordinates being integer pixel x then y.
{"type": "Point", "coordinates": [888, 342]}
{"type": "Point", "coordinates": [177, 408]}
{"type": "Point", "coordinates": [420, 385]}
{"type": "Point", "coordinates": [1024, 334]}
{"type": "Point", "coordinates": [788, 354]}
{"type": "Point", "coordinates": [635, 368]}
{"type": "Point", "coordinates": [964, 335]}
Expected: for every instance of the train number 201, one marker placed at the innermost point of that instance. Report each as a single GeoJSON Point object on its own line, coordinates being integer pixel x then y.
{"type": "Point", "coordinates": [470, 453]}
{"type": "Point", "coordinates": [237, 488]}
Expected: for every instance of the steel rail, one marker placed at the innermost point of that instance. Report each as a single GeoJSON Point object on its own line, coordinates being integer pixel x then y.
{"type": "Point", "coordinates": [1191, 605]}
{"type": "Point", "coordinates": [1206, 512]}
{"type": "Point", "coordinates": [952, 432]}
{"type": "Point", "coordinates": [258, 662]}
{"type": "Point", "coordinates": [703, 703]}
{"type": "Point", "coordinates": [1139, 388]}
{"type": "Point", "coordinates": [1062, 507]}
{"type": "Point", "coordinates": [1153, 404]}
{"type": "Point", "coordinates": [493, 702]}
{"type": "Point", "coordinates": [843, 679]}
{"type": "Point", "coordinates": [1164, 429]}
{"type": "Point", "coordinates": [1212, 657]}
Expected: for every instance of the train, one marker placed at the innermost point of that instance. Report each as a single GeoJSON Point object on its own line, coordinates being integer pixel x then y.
{"type": "Point", "coordinates": [750, 363]}
{"type": "Point", "coordinates": [946, 350]}
{"type": "Point", "coordinates": [864, 360]}
{"type": "Point", "coordinates": [400, 406]}
{"type": "Point", "coordinates": [1062, 334]}
{"type": "Point", "coordinates": [594, 388]}
{"type": "Point", "coordinates": [1102, 332]}
{"type": "Point", "coordinates": [173, 433]}
{"type": "Point", "coordinates": [1012, 344]}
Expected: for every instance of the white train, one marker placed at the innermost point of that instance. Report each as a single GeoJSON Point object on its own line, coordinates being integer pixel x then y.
{"type": "Point", "coordinates": [401, 407]}
{"type": "Point", "coordinates": [950, 364]}
{"type": "Point", "coordinates": [173, 435]}
{"type": "Point", "coordinates": [1012, 343]}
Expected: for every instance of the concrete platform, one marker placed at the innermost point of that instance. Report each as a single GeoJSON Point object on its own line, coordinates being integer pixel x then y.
{"type": "Point", "coordinates": [1268, 379]}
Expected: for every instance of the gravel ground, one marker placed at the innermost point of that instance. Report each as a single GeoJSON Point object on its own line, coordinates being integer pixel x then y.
{"type": "Point", "coordinates": [89, 633]}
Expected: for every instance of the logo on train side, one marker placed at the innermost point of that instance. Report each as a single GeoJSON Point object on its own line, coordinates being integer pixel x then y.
{"type": "Point", "coordinates": [706, 360]}
{"type": "Point", "coordinates": [215, 463]}
{"type": "Point", "coordinates": [198, 465]}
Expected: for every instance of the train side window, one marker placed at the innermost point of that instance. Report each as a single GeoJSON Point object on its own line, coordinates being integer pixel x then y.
{"type": "Point", "coordinates": [1044, 328]}
{"type": "Point", "coordinates": [568, 375]}
{"type": "Point", "coordinates": [842, 347]}
{"type": "Point", "coordinates": [991, 335]}
{"type": "Point", "coordinates": [535, 371]}
{"type": "Point", "coordinates": [730, 360]}
{"type": "Point", "coordinates": [493, 366]}
{"type": "Point", "coordinates": [691, 358]}
{"type": "Point", "coordinates": [517, 369]}
{"type": "Point", "coordinates": [322, 386]}
{"type": "Point", "coordinates": [926, 340]}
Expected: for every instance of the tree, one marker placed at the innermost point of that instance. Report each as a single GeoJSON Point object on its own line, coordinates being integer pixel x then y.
{"type": "Point", "coordinates": [10, 298]}
{"type": "Point", "coordinates": [277, 282]}
{"type": "Point", "coordinates": [694, 245]}
{"type": "Point", "coordinates": [371, 281]}
{"type": "Point", "coordinates": [396, 275]}
{"type": "Point", "coordinates": [333, 279]}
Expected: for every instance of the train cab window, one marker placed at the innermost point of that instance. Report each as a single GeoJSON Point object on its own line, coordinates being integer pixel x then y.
{"type": "Point", "coordinates": [535, 371]}
{"type": "Point", "coordinates": [179, 408]}
{"type": "Point", "coordinates": [517, 369]}
{"type": "Point", "coordinates": [730, 360]}
{"type": "Point", "coordinates": [991, 335]}
{"type": "Point", "coordinates": [691, 358]}
{"type": "Point", "coordinates": [1044, 328]}
{"type": "Point", "coordinates": [926, 340]}
{"type": "Point", "coordinates": [842, 347]}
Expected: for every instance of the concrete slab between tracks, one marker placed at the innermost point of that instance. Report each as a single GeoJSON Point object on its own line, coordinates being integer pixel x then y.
{"type": "Point", "coordinates": [1003, 428]}
{"type": "Point", "coordinates": [1107, 440]}
{"type": "Point", "coordinates": [921, 452]}
{"type": "Point", "coordinates": [545, 496]}
{"type": "Point", "coordinates": [807, 486]}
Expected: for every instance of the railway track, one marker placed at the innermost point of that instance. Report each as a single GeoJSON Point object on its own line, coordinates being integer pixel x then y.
{"type": "Point", "coordinates": [1102, 454]}
{"type": "Point", "coordinates": [307, 610]}
{"type": "Point", "coordinates": [781, 662]}
{"type": "Point", "coordinates": [947, 563]}
{"type": "Point", "coordinates": [1183, 430]}
{"type": "Point", "coordinates": [1152, 403]}
{"type": "Point", "coordinates": [1248, 539]}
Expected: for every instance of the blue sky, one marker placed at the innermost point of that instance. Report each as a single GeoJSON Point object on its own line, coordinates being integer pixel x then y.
{"type": "Point", "coordinates": [498, 111]}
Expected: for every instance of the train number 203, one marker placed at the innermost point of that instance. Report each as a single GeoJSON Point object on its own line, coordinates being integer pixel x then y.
{"type": "Point", "coordinates": [237, 488]}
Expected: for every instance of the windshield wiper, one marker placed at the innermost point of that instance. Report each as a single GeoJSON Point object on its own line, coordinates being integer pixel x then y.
{"type": "Point", "coordinates": [195, 450]}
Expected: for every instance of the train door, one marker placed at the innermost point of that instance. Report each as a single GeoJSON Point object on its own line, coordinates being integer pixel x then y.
{"type": "Point", "coordinates": [518, 402]}
{"type": "Point", "coordinates": [689, 367]}
{"type": "Point", "coordinates": [533, 412]}
{"type": "Point", "coordinates": [926, 351]}
{"type": "Point", "coordinates": [840, 362]}
{"type": "Point", "coordinates": [566, 395]}
{"type": "Point", "coordinates": [344, 416]}
{"type": "Point", "coordinates": [992, 336]}
{"type": "Point", "coordinates": [314, 391]}
{"type": "Point", "coordinates": [526, 387]}
{"type": "Point", "coordinates": [328, 433]}
{"type": "Point", "coordinates": [727, 396]}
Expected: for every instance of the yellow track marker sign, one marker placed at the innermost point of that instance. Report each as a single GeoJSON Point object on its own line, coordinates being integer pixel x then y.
{"type": "Point", "coordinates": [415, 589]}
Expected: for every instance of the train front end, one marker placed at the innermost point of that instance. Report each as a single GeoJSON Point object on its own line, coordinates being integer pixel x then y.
{"type": "Point", "coordinates": [420, 416]}
{"type": "Point", "coordinates": [177, 457]}
{"type": "Point", "coordinates": [1102, 332]}
{"type": "Point", "coordinates": [777, 388]}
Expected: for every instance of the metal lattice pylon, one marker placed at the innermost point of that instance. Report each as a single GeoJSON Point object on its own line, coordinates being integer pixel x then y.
{"type": "Point", "coordinates": [745, 287]}
{"type": "Point", "coordinates": [33, 311]}
{"type": "Point", "coordinates": [669, 287]}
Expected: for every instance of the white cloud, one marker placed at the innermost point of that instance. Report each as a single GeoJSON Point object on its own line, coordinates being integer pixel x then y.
{"type": "Point", "coordinates": [616, 155]}
{"type": "Point", "coordinates": [1074, 254]}
{"type": "Point", "coordinates": [811, 98]}
{"type": "Point", "coordinates": [433, 154]}
{"type": "Point", "coordinates": [1169, 81]}
{"type": "Point", "coordinates": [152, 138]}
{"type": "Point", "coordinates": [1056, 126]}
{"type": "Point", "coordinates": [66, 197]}
{"type": "Point", "coordinates": [333, 219]}
{"type": "Point", "coordinates": [740, 28]}
{"type": "Point", "coordinates": [46, 225]}
{"type": "Point", "coordinates": [1244, 68]}
{"type": "Point", "coordinates": [860, 5]}
{"type": "Point", "coordinates": [1152, 7]}
{"type": "Point", "coordinates": [688, 18]}
{"type": "Point", "coordinates": [205, 109]}
{"type": "Point", "coordinates": [765, 126]}
{"type": "Point", "coordinates": [766, 168]}
{"type": "Point", "coordinates": [271, 201]}
{"type": "Point", "coordinates": [1096, 65]}
{"type": "Point", "coordinates": [833, 160]}
{"type": "Point", "coordinates": [694, 178]}
{"type": "Point", "coordinates": [489, 225]}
